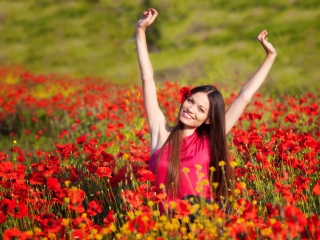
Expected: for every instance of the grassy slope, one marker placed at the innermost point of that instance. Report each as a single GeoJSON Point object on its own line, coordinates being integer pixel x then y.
{"type": "Point", "coordinates": [195, 41]}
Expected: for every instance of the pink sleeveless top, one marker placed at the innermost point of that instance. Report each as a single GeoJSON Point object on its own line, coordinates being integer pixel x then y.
{"type": "Point", "coordinates": [194, 151]}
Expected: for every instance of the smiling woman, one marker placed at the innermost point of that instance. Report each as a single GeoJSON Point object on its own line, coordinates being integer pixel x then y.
{"type": "Point", "coordinates": [184, 154]}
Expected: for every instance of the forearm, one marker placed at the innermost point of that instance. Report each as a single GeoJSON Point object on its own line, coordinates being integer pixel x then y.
{"type": "Point", "coordinates": [145, 65]}
{"type": "Point", "coordinates": [253, 84]}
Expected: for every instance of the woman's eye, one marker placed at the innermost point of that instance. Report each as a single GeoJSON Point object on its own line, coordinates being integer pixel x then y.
{"type": "Point", "coordinates": [189, 100]}
{"type": "Point", "coordinates": [201, 110]}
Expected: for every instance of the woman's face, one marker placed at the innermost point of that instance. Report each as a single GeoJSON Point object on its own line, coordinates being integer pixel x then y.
{"type": "Point", "coordinates": [194, 110]}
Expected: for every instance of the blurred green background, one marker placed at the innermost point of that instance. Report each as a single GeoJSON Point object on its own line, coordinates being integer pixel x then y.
{"type": "Point", "coordinates": [191, 41]}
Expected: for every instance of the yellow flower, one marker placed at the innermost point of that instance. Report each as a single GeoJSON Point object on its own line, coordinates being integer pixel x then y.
{"type": "Point", "coordinates": [201, 175]}
{"type": "Point", "coordinates": [215, 185]}
{"type": "Point", "coordinates": [145, 218]}
{"type": "Point", "coordinates": [67, 200]}
{"type": "Point", "coordinates": [216, 206]}
{"type": "Point", "coordinates": [233, 164]}
{"type": "Point", "coordinates": [131, 215]}
{"type": "Point", "coordinates": [240, 220]}
{"type": "Point", "coordinates": [112, 227]}
{"type": "Point", "coordinates": [65, 222]}
{"type": "Point", "coordinates": [173, 204]}
{"type": "Point", "coordinates": [236, 192]}
{"type": "Point", "coordinates": [156, 213]}
{"type": "Point", "coordinates": [125, 156]}
{"type": "Point", "coordinates": [14, 141]}
{"type": "Point", "coordinates": [272, 220]}
{"type": "Point", "coordinates": [150, 203]}
{"type": "Point", "coordinates": [185, 170]}
{"type": "Point", "coordinates": [199, 189]}
{"type": "Point", "coordinates": [198, 166]}
{"type": "Point", "coordinates": [243, 185]}
{"type": "Point", "coordinates": [163, 218]}
{"type": "Point", "coordinates": [82, 225]}
{"type": "Point", "coordinates": [222, 163]}
{"type": "Point", "coordinates": [98, 236]}
{"type": "Point", "coordinates": [205, 182]}
{"type": "Point", "coordinates": [118, 235]}
{"type": "Point", "coordinates": [212, 169]}
{"type": "Point", "coordinates": [185, 219]}
{"type": "Point", "coordinates": [67, 183]}
{"type": "Point", "coordinates": [266, 231]}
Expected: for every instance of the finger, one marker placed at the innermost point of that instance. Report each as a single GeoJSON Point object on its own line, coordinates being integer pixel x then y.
{"type": "Point", "coordinates": [149, 15]}
{"type": "Point", "coordinates": [154, 11]}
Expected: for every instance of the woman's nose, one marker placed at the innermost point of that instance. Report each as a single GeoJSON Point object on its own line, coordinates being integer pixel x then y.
{"type": "Point", "coordinates": [191, 108]}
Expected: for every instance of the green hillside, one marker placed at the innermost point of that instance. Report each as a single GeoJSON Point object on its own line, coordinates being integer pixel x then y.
{"type": "Point", "coordinates": [192, 41]}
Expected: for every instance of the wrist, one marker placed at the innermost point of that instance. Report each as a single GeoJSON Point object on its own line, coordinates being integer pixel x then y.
{"type": "Point", "coordinates": [140, 29]}
{"type": "Point", "coordinates": [272, 55]}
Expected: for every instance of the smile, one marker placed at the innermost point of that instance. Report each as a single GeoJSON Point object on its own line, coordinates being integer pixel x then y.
{"type": "Point", "coordinates": [186, 115]}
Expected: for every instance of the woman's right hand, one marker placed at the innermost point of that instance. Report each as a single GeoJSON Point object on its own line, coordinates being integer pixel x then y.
{"type": "Point", "coordinates": [147, 19]}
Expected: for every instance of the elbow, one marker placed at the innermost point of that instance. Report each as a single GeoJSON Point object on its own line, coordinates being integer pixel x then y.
{"type": "Point", "coordinates": [147, 77]}
{"type": "Point", "coordinates": [245, 98]}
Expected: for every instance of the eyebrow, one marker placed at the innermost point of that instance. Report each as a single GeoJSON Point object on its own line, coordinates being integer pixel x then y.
{"type": "Point", "coordinates": [199, 105]}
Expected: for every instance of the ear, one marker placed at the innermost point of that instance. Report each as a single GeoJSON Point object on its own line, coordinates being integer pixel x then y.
{"type": "Point", "coordinates": [207, 121]}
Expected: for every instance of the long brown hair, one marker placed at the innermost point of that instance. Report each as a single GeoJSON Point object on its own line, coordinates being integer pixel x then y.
{"type": "Point", "coordinates": [215, 131]}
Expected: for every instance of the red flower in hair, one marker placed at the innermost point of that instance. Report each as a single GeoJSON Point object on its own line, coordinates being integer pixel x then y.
{"type": "Point", "coordinates": [183, 94]}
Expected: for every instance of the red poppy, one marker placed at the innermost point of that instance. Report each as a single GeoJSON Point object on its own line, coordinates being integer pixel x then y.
{"type": "Point", "coordinates": [133, 198]}
{"type": "Point", "coordinates": [312, 109]}
{"type": "Point", "coordinates": [104, 172]}
{"type": "Point", "coordinates": [76, 196]}
{"type": "Point", "coordinates": [37, 178]}
{"type": "Point", "coordinates": [81, 139]}
{"type": "Point", "coordinates": [183, 94]}
{"type": "Point", "coordinates": [12, 234]}
{"type": "Point", "coordinates": [182, 209]}
{"type": "Point", "coordinates": [290, 118]}
{"type": "Point", "coordinates": [48, 222]}
{"type": "Point", "coordinates": [79, 222]}
{"type": "Point", "coordinates": [94, 208]}
{"type": "Point", "coordinates": [313, 227]}
{"type": "Point", "coordinates": [53, 184]}
{"type": "Point", "coordinates": [141, 224]}
{"type": "Point", "coordinates": [301, 182]}
{"type": "Point", "coordinates": [316, 189]}
{"type": "Point", "coordinates": [272, 211]}
{"type": "Point", "coordinates": [253, 116]}
{"type": "Point", "coordinates": [295, 219]}
{"type": "Point", "coordinates": [146, 175]}
{"type": "Point", "coordinates": [109, 218]}
{"type": "Point", "coordinates": [3, 217]}
{"type": "Point", "coordinates": [17, 209]}
{"type": "Point", "coordinates": [3, 156]}
{"type": "Point", "coordinates": [240, 172]}
{"type": "Point", "coordinates": [140, 135]}
{"type": "Point", "coordinates": [242, 231]}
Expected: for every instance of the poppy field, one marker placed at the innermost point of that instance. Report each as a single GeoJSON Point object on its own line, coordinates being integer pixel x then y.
{"type": "Point", "coordinates": [74, 165]}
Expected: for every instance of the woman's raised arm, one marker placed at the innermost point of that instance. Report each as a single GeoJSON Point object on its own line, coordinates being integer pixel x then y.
{"type": "Point", "coordinates": [252, 85]}
{"type": "Point", "coordinates": [155, 116]}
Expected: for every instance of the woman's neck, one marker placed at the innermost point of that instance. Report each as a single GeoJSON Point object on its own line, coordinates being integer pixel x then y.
{"type": "Point", "coordinates": [188, 131]}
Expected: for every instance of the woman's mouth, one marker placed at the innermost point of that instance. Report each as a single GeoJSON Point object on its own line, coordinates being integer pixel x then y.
{"type": "Point", "coordinates": [185, 114]}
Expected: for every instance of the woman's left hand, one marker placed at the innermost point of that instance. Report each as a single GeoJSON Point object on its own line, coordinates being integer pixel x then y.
{"type": "Point", "coordinates": [266, 45]}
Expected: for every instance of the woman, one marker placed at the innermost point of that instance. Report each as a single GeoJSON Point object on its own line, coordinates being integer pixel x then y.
{"type": "Point", "coordinates": [183, 155]}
